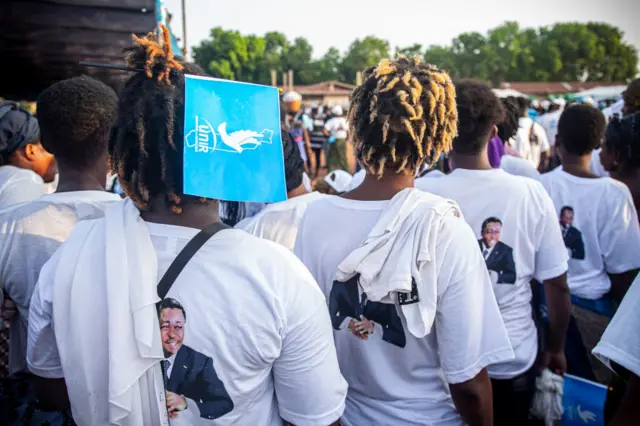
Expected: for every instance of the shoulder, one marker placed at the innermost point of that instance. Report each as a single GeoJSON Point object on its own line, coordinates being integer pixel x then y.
{"type": "Point", "coordinates": [198, 357]}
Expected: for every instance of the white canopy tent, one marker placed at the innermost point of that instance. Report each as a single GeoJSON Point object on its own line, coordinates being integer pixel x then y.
{"type": "Point", "coordinates": [505, 93]}
{"type": "Point", "coordinates": [602, 92]}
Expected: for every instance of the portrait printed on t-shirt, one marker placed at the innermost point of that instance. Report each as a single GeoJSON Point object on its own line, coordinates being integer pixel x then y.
{"type": "Point", "coordinates": [571, 235]}
{"type": "Point", "coordinates": [350, 309]}
{"type": "Point", "coordinates": [497, 255]}
{"type": "Point", "coordinates": [192, 385]}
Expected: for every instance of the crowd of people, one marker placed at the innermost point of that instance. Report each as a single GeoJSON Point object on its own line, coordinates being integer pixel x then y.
{"type": "Point", "coordinates": [474, 253]}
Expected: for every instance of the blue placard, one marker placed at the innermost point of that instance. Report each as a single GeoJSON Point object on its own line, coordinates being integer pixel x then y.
{"type": "Point", "coordinates": [583, 402]}
{"type": "Point", "coordinates": [232, 141]}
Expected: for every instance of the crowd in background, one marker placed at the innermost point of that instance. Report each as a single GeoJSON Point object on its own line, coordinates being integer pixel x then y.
{"type": "Point", "coordinates": [474, 257]}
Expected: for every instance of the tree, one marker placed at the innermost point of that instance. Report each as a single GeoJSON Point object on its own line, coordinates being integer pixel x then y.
{"type": "Point", "coordinates": [297, 57]}
{"type": "Point", "coordinates": [415, 49]}
{"type": "Point", "coordinates": [328, 67]}
{"type": "Point", "coordinates": [362, 54]}
{"type": "Point", "coordinates": [443, 58]}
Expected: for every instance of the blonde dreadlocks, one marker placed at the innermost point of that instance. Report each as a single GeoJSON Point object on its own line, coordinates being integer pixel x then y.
{"type": "Point", "coordinates": [146, 142]}
{"type": "Point", "coordinates": [403, 116]}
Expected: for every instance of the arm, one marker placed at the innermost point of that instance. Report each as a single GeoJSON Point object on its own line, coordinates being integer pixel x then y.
{"type": "Point", "coordinates": [211, 391]}
{"type": "Point", "coordinates": [474, 400]}
{"type": "Point", "coordinates": [544, 162]}
{"type": "Point", "coordinates": [508, 274]}
{"type": "Point", "coordinates": [629, 409]}
{"type": "Point", "coordinates": [620, 284]}
{"type": "Point", "coordinates": [351, 157]}
{"type": "Point", "coordinates": [310, 156]}
{"type": "Point", "coordinates": [559, 308]}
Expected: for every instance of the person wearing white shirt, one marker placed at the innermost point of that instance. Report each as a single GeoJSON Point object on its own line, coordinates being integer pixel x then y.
{"type": "Point", "coordinates": [75, 118]}
{"type": "Point", "coordinates": [254, 312]}
{"type": "Point", "coordinates": [25, 165]}
{"type": "Point", "coordinates": [531, 139]}
{"type": "Point", "coordinates": [520, 240]}
{"type": "Point", "coordinates": [619, 349]}
{"type": "Point", "coordinates": [602, 233]}
{"type": "Point", "coordinates": [340, 152]}
{"type": "Point", "coordinates": [507, 129]}
{"type": "Point", "coordinates": [402, 368]}
{"type": "Point", "coordinates": [278, 222]}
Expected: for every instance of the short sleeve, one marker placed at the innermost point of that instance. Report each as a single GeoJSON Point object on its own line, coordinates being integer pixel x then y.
{"type": "Point", "coordinates": [620, 235]}
{"type": "Point", "coordinates": [328, 126]}
{"type": "Point", "coordinates": [621, 341]}
{"type": "Point", "coordinates": [469, 328]}
{"type": "Point", "coordinates": [551, 253]}
{"type": "Point", "coordinates": [42, 350]}
{"type": "Point", "coordinates": [308, 356]}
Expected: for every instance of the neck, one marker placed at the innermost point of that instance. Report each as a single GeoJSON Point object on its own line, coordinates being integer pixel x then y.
{"type": "Point", "coordinates": [301, 190]}
{"type": "Point", "coordinates": [74, 179]}
{"type": "Point", "coordinates": [385, 188]}
{"type": "Point", "coordinates": [577, 165]}
{"type": "Point", "coordinates": [471, 161]}
{"type": "Point", "coordinates": [194, 215]}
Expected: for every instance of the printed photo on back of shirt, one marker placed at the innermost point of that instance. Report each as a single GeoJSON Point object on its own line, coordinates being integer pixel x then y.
{"type": "Point", "coordinates": [497, 255]}
{"type": "Point", "coordinates": [193, 390]}
{"type": "Point", "coordinates": [352, 312]}
{"type": "Point", "coordinates": [571, 235]}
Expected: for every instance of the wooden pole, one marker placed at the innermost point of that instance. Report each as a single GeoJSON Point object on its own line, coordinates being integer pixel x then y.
{"type": "Point", "coordinates": [285, 86]}
{"type": "Point", "coordinates": [184, 29]}
{"type": "Point", "coordinates": [290, 80]}
{"type": "Point", "coordinates": [274, 78]}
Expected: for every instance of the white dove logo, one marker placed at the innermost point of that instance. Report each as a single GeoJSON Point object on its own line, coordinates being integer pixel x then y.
{"type": "Point", "coordinates": [242, 140]}
{"type": "Point", "coordinates": [586, 416]}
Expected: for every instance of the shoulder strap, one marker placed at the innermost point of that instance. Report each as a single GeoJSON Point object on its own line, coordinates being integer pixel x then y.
{"type": "Point", "coordinates": [185, 256]}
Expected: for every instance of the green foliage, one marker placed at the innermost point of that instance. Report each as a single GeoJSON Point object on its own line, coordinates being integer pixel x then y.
{"type": "Point", "coordinates": [561, 52]}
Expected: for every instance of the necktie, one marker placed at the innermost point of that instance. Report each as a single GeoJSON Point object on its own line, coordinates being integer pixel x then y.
{"type": "Point", "coordinates": [165, 371]}
{"type": "Point", "coordinates": [485, 253]}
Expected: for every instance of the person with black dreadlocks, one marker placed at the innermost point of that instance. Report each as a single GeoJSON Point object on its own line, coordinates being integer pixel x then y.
{"type": "Point", "coordinates": [25, 165]}
{"type": "Point", "coordinates": [520, 240]}
{"type": "Point", "coordinates": [255, 311]}
{"type": "Point", "coordinates": [278, 222]}
{"type": "Point", "coordinates": [414, 316]}
{"type": "Point", "coordinates": [75, 117]}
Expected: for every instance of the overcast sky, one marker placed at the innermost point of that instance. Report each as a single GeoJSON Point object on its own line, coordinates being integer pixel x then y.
{"type": "Point", "coordinates": [336, 23]}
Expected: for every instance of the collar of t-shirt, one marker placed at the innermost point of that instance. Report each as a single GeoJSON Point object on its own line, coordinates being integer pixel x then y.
{"type": "Point", "coordinates": [292, 203]}
{"type": "Point", "coordinates": [78, 196]}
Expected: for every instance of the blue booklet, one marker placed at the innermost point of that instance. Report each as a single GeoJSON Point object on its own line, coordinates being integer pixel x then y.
{"type": "Point", "coordinates": [232, 141]}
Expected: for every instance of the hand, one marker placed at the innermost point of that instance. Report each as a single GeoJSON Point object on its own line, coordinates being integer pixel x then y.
{"type": "Point", "coordinates": [175, 403]}
{"type": "Point", "coordinates": [364, 326]}
{"type": "Point", "coordinates": [554, 361]}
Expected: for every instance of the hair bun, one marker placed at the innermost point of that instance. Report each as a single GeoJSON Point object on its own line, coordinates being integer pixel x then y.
{"type": "Point", "coordinates": [154, 56]}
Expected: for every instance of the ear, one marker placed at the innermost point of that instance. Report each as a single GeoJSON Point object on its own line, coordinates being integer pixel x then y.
{"type": "Point", "coordinates": [494, 132]}
{"type": "Point", "coordinates": [31, 151]}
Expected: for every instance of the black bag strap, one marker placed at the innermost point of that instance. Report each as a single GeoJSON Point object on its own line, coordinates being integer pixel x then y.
{"type": "Point", "coordinates": [185, 256]}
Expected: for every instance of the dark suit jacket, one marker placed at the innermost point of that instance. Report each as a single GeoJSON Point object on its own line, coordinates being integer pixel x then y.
{"type": "Point", "coordinates": [194, 377]}
{"type": "Point", "coordinates": [344, 303]}
{"type": "Point", "coordinates": [500, 260]}
{"type": "Point", "coordinates": [573, 241]}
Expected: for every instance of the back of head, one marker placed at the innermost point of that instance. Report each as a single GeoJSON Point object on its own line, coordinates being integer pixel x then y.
{"type": "Point", "coordinates": [631, 97]}
{"type": "Point", "coordinates": [523, 106]}
{"type": "Point", "coordinates": [509, 126]}
{"type": "Point", "coordinates": [402, 116]}
{"type": "Point", "coordinates": [580, 129]}
{"type": "Point", "coordinates": [479, 110]}
{"type": "Point", "coordinates": [146, 144]}
{"type": "Point", "coordinates": [622, 137]}
{"type": "Point", "coordinates": [293, 164]}
{"type": "Point", "coordinates": [75, 117]}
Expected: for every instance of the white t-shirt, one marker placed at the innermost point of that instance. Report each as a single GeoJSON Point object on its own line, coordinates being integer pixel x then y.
{"type": "Point", "coordinates": [338, 127]}
{"type": "Point", "coordinates": [253, 312]}
{"type": "Point", "coordinates": [519, 167]}
{"type": "Point", "coordinates": [18, 186]}
{"type": "Point", "coordinates": [605, 235]}
{"type": "Point", "coordinates": [549, 122]}
{"type": "Point", "coordinates": [529, 246]}
{"type": "Point", "coordinates": [279, 222]}
{"type": "Point", "coordinates": [595, 165]}
{"type": "Point", "coordinates": [523, 144]}
{"type": "Point", "coordinates": [620, 342]}
{"type": "Point", "coordinates": [393, 385]}
{"type": "Point", "coordinates": [29, 235]}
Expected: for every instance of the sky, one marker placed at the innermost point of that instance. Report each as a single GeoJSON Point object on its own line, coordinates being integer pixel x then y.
{"type": "Point", "coordinates": [336, 23]}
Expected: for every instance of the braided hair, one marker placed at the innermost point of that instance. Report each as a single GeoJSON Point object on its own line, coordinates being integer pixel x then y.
{"type": "Point", "coordinates": [509, 126]}
{"type": "Point", "coordinates": [146, 142]}
{"type": "Point", "coordinates": [622, 137]}
{"type": "Point", "coordinates": [403, 116]}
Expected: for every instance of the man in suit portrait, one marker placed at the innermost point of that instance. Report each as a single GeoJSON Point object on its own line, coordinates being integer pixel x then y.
{"type": "Point", "coordinates": [497, 255]}
{"type": "Point", "coordinates": [572, 237]}
{"type": "Point", "coordinates": [192, 385]}
{"type": "Point", "coordinates": [350, 308]}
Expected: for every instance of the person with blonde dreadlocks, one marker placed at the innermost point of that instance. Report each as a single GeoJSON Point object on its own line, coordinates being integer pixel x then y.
{"type": "Point", "coordinates": [414, 316]}
{"type": "Point", "coordinates": [258, 346]}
